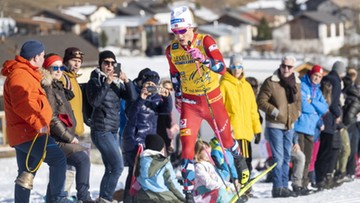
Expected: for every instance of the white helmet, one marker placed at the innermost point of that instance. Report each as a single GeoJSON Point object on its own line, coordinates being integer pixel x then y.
{"type": "Point", "coordinates": [182, 17]}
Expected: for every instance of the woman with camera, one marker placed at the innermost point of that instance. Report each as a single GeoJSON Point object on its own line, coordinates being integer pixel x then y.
{"type": "Point", "coordinates": [104, 92]}
{"type": "Point", "coordinates": [142, 117]}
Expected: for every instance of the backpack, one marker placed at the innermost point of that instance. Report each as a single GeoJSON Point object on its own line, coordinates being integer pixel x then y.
{"type": "Point", "coordinates": [87, 109]}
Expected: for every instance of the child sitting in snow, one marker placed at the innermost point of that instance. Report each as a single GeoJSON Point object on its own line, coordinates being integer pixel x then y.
{"type": "Point", "coordinates": [156, 175]}
{"type": "Point", "coordinates": [209, 187]}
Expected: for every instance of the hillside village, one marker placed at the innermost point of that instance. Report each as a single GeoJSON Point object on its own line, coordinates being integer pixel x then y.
{"type": "Point", "coordinates": [141, 27]}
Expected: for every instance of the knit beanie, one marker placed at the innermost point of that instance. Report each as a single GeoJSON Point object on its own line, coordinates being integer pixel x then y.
{"type": "Point", "coordinates": [142, 72]}
{"type": "Point", "coordinates": [154, 142]}
{"type": "Point", "coordinates": [339, 67]}
{"type": "Point", "coordinates": [104, 55]}
{"type": "Point", "coordinates": [181, 17]}
{"type": "Point", "coordinates": [151, 76]}
{"type": "Point", "coordinates": [50, 60]}
{"type": "Point", "coordinates": [31, 48]}
{"type": "Point", "coordinates": [316, 69]}
{"type": "Point", "coordinates": [235, 59]}
{"type": "Point", "coordinates": [73, 52]}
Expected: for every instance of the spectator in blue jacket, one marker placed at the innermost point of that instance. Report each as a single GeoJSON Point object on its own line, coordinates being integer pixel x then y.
{"type": "Point", "coordinates": [313, 106]}
{"type": "Point", "coordinates": [156, 175]}
{"type": "Point", "coordinates": [142, 117]}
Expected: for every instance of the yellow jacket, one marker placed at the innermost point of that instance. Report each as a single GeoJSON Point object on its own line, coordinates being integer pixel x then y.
{"type": "Point", "coordinates": [76, 102]}
{"type": "Point", "coordinates": [240, 103]}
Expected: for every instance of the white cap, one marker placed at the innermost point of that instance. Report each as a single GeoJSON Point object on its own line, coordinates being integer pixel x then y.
{"type": "Point", "coordinates": [181, 17]}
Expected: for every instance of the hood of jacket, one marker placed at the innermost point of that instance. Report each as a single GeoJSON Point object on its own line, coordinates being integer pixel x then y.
{"type": "Point", "coordinates": [20, 63]}
{"type": "Point", "coordinates": [229, 77]}
{"type": "Point", "coordinates": [46, 77]}
{"type": "Point", "coordinates": [158, 160]}
{"type": "Point", "coordinates": [307, 80]}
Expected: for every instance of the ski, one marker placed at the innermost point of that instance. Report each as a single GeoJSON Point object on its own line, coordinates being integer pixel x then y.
{"type": "Point", "coordinates": [251, 183]}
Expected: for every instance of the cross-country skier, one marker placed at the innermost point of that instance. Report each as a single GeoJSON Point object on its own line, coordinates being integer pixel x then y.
{"type": "Point", "coordinates": [195, 62]}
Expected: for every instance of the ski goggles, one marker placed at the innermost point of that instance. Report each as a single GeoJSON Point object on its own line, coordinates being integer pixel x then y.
{"type": "Point", "coordinates": [56, 68]}
{"type": "Point", "coordinates": [238, 67]}
{"type": "Point", "coordinates": [180, 32]}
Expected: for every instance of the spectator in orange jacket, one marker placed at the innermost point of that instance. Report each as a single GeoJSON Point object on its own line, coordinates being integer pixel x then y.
{"type": "Point", "coordinates": [28, 114]}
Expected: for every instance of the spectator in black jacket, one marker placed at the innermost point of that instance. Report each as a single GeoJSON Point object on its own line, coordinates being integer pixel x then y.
{"type": "Point", "coordinates": [351, 109]}
{"type": "Point", "coordinates": [104, 91]}
{"type": "Point", "coordinates": [330, 141]}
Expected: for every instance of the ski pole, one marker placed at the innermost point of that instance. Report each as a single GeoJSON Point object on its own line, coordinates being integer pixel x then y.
{"type": "Point", "coordinates": [217, 132]}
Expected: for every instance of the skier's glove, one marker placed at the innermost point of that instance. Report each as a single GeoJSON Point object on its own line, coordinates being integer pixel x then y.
{"type": "Point", "coordinates": [196, 54]}
{"type": "Point", "coordinates": [257, 138]}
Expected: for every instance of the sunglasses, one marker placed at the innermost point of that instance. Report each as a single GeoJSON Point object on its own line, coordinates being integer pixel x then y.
{"type": "Point", "coordinates": [179, 32]}
{"type": "Point", "coordinates": [113, 63]}
{"type": "Point", "coordinates": [56, 68]}
{"type": "Point", "coordinates": [286, 66]}
{"type": "Point", "coordinates": [238, 67]}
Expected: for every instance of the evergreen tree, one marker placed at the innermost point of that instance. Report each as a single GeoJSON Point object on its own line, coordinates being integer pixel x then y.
{"type": "Point", "coordinates": [264, 30]}
{"type": "Point", "coordinates": [103, 39]}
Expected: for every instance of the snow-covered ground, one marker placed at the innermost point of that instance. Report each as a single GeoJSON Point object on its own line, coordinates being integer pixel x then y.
{"type": "Point", "coordinates": [347, 193]}
{"type": "Point", "coordinates": [258, 68]}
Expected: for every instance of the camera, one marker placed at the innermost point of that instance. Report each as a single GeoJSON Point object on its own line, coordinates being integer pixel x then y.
{"type": "Point", "coordinates": [153, 89]}
{"type": "Point", "coordinates": [117, 69]}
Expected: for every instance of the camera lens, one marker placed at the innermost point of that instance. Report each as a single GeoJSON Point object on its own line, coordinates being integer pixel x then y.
{"type": "Point", "coordinates": [151, 89]}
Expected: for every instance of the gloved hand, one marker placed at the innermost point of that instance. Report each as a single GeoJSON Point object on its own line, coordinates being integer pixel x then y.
{"type": "Point", "coordinates": [196, 54]}
{"type": "Point", "coordinates": [257, 138]}
{"type": "Point", "coordinates": [178, 104]}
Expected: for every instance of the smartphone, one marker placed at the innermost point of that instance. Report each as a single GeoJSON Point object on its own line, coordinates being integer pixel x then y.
{"type": "Point", "coordinates": [153, 89]}
{"type": "Point", "coordinates": [117, 69]}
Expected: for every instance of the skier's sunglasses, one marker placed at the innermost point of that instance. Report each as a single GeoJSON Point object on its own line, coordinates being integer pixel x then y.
{"type": "Point", "coordinates": [180, 32]}
{"type": "Point", "coordinates": [56, 68]}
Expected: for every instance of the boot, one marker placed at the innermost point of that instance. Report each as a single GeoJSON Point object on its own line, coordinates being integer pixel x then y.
{"type": "Point", "coordinates": [329, 181]}
{"type": "Point", "coordinates": [189, 197]}
{"type": "Point", "coordinates": [241, 169]}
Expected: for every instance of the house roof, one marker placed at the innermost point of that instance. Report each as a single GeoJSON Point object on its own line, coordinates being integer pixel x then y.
{"type": "Point", "coordinates": [55, 13]}
{"type": "Point", "coordinates": [273, 11]}
{"type": "Point", "coordinates": [314, 4]}
{"type": "Point", "coordinates": [237, 18]}
{"type": "Point", "coordinates": [56, 43]}
{"type": "Point", "coordinates": [126, 20]}
{"type": "Point", "coordinates": [218, 30]}
{"type": "Point", "coordinates": [85, 10]}
{"type": "Point", "coordinates": [322, 17]}
{"type": "Point", "coordinates": [355, 4]}
{"type": "Point", "coordinates": [143, 7]}
{"type": "Point", "coordinates": [266, 4]}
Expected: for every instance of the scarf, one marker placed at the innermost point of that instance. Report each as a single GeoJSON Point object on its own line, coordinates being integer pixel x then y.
{"type": "Point", "coordinates": [289, 85]}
